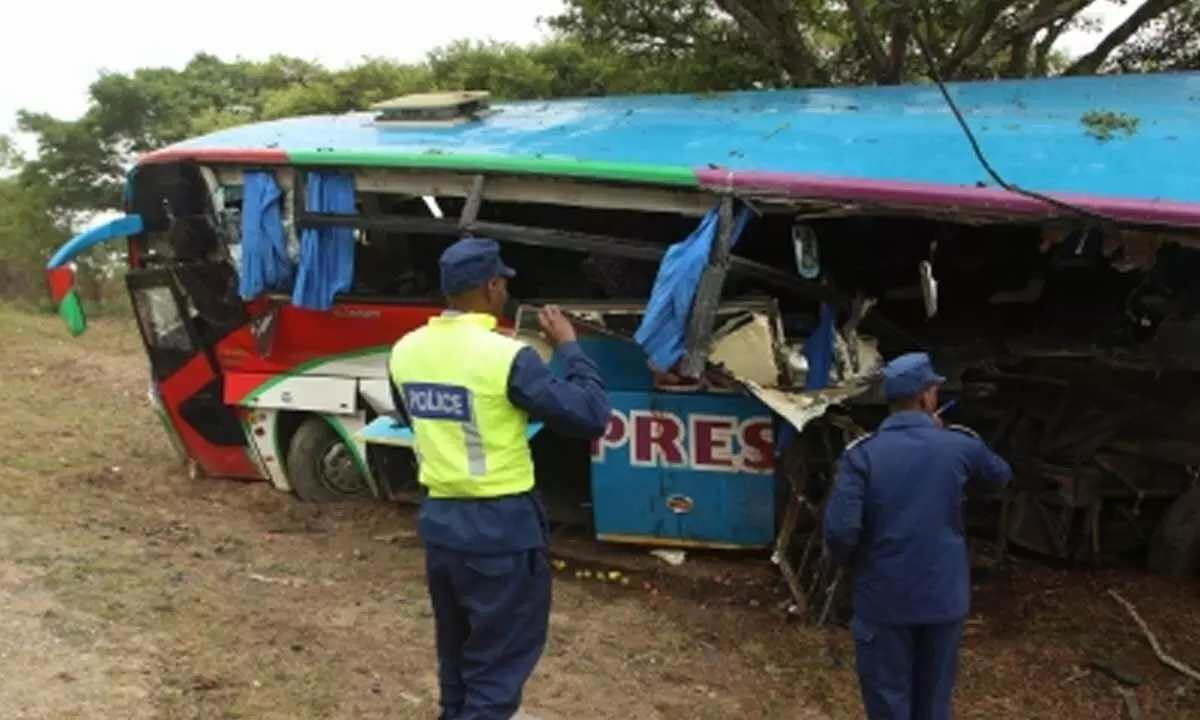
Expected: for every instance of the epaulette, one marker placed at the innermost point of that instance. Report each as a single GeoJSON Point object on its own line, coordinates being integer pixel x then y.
{"type": "Point", "coordinates": [964, 430]}
{"type": "Point", "coordinates": [856, 441]}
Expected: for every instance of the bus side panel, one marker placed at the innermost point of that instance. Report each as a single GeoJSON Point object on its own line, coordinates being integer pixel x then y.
{"type": "Point", "coordinates": [189, 384]}
{"type": "Point", "coordinates": [302, 338]}
{"type": "Point", "coordinates": [192, 398]}
{"type": "Point", "coordinates": [685, 469]}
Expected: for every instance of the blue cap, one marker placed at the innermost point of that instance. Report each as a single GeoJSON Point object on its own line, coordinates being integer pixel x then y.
{"type": "Point", "coordinates": [908, 376]}
{"type": "Point", "coordinates": [470, 263]}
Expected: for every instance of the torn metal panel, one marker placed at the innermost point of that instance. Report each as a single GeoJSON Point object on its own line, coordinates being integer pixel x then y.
{"type": "Point", "coordinates": [856, 358]}
{"type": "Point", "coordinates": [801, 408]}
{"type": "Point", "coordinates": [617, 319]}
{"type": "Point", "coordinates": [749, 347]}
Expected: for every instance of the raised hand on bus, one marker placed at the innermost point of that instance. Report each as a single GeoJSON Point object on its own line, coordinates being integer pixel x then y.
{"type": "Point", "coordinates": [555, 326]}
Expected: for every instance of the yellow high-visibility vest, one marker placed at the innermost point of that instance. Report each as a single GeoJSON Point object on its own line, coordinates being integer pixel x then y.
{"type": "Point", "coordinates": [470, 440]}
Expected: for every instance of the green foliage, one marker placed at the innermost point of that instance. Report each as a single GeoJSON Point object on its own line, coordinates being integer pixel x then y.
{"type": "Point", "coordinates": [28, 233]}
{"type": "Point", "coordinates": [818, 42]}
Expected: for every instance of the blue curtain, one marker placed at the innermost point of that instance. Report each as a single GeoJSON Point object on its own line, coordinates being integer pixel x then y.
{"type": "Point", "coordinates": [265, 262]}
{"type": "Point", "coordinates": [326, 254]}
{"type": "Point", "coordinates": [664, 326]}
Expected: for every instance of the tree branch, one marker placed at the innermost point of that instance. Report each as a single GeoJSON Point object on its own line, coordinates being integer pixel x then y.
{"type": "Point", "coordinates": [972, 34]}
{"type": "Point", "coordinates": [1041, 52]}
{"type": "Point", "coordinates": [1091, 62]}
{"type": "Point", "coordinates": [866, 38]}
{"type": "Point", "coordinates": [780, 32]}
{"type": "Point", "coordinates": [1018, 61]}
{"type": "Point", "coordinates": [1045, 13]}
{"type": "Point", "coordinates": [901, 33]}
{"type": "Point", "coordinates": [1162, 656]}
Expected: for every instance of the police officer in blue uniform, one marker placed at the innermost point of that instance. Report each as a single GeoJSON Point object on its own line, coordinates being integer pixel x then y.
{"type": "Point", "coordinates": [469, 394]}
{"type": "Point", "coordinates": [895, 518]}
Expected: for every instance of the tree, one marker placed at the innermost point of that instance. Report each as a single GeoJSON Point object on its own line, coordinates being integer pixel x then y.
{"type": "Point", "coordinates": [819, 42]}
{"type": "Point", "coordinates": [80, 164]}
{"type": "Point", "coordinates": [1171, 42]}
{"type": "Point", "coordinates": [28, 231]}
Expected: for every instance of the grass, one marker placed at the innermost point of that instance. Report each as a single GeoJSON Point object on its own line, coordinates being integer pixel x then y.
{"type": "Point", "coordinates": [177, 592]}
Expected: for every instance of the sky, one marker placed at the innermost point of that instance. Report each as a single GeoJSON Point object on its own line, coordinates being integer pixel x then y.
{"type": "Point", "coordinates": [50, 71]}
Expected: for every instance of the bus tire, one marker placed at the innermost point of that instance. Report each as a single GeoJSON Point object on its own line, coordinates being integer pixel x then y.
{"type": "Point", "coordinates": [1175, 546]}
{"type": "Point", "coordinates": [315, 452]}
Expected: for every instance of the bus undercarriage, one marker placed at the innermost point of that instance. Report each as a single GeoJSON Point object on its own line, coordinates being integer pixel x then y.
{"type": "Point", "coordinates": [1071, 349]}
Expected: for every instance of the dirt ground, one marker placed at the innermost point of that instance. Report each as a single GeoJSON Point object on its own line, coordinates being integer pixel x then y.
{"type": "Point", "coordinates": [129, 591]}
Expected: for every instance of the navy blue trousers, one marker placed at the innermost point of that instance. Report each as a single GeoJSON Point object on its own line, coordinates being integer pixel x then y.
{"type": "Point", "coordinates": [492, 614]}
{"type": "Point", "coordinates": [906, 672]}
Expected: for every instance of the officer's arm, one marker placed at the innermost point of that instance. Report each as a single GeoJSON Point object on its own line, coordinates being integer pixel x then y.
{"type": "Point", "coordinates": [843, 519]}
{"type": "Point", "coordinates": [398, 403]}
{"type": "Point", "coordinates": [576, 404]}
{"type": "Point", "coordinates": [987, 468]}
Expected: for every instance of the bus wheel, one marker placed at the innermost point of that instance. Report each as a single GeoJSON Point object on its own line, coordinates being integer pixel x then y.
{"type": "Point", "coordinates": [1175, 547]}
{"type": "Point", "coordinates": [321, 469]}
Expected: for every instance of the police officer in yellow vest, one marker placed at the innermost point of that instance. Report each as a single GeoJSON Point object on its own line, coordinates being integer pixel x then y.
{"type": "Point", "coordinates": [469, 393]}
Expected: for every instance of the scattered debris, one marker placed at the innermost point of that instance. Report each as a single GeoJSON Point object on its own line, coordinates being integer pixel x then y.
{"type": "Point", "coordinates": [674, 558]}
{"type": "Point", "coordinates": [1163, 657]}
{"type": "Point", "coordinates": [392, 538]}
{"type": "Point", "coordinates": [1116, 674]}
{"type": "Point", "coordinates": [1078, 673]}
{"type": "Point", "coordinates": [1133, 711]}
{"type": "Point", "coordinates": [205, 682]}
{"type": "Point", "coordinates": [290, 582]}
{"type": "Point", "coordinates": [1104, 124]}
{"type": "Point", "coordinates": [104, 476]}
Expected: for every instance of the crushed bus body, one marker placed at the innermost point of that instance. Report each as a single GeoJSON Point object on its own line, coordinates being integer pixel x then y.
{"type": "Point", "coordinates": [739, 266]}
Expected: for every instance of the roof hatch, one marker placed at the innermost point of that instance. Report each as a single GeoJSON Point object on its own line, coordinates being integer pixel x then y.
{"type": "Point", "coordinates": [436, 109]}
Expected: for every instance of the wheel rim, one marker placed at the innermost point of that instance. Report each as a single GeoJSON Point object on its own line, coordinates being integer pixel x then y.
{"type": "Point", "coordinates": [339, 472]}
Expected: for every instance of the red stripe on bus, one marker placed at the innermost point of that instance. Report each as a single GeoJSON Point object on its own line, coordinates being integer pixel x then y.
{"type": "Point", "coordinates": [215, 155]}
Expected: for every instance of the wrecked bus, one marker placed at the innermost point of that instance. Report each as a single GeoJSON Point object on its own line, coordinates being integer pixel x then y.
{"type": "Point", "coordinates": [739, 264]}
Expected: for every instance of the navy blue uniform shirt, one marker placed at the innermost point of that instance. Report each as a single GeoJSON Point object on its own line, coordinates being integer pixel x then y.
{"type": "Point", "coordinates": [895, 515]}
{"type": "Point", "coordinates": [576, 404]}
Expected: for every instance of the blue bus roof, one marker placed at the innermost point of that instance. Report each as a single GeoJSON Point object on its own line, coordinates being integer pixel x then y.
{"type": "Point", "coordinates": [1127, 141]}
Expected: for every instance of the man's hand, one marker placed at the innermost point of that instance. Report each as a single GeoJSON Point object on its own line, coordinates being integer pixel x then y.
{"type": "Point", "coordinates": [555, 326]}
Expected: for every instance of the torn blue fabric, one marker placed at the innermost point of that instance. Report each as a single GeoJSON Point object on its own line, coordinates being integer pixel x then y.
{"type": "Point", "coordinates": [265, 262]}
{"type": "Point", "coordinates": [326, 254]}
{"type": "Point", "coordinates": [664, 326]}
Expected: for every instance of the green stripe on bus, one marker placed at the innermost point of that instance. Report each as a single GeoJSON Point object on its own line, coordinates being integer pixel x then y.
{"type": "Point", "coordinates": [557, 166]}
{"type": "Point", "coordinates": [307, 367]}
